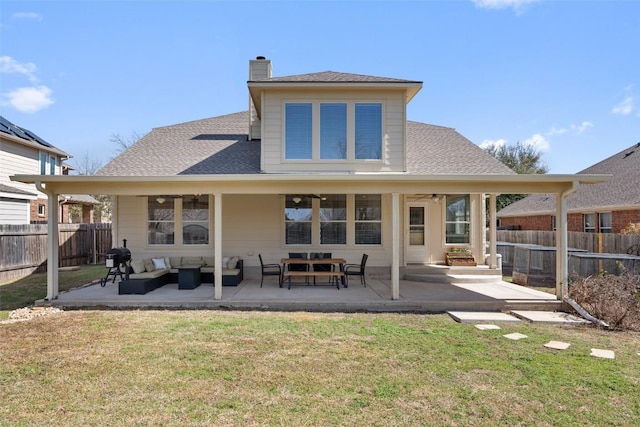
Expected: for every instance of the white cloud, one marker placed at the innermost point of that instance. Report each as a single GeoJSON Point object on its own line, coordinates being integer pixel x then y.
{"type": "Point", "coordinates": [628, 103]}
{"type": "Point", "coordinates": [487, 143]}
{"type": "Point", "coordinates": [538, 142]}
{"type": "Point", "coordinates": [27, 15]}
{"type": "Point", "coordinates": [517, 5]}
{"type": "Point", "coordinates": [10, 65]}
{"type": "Point", "coordinates": [582, 126]}
{"type": "Point", "coordinates": [557, 131]}
{"type": "Point", "coordinates": [29, 99]}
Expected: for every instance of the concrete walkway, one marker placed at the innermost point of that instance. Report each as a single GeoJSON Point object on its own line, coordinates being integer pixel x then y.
{"type": "Point", "coordinates": [376, 297]}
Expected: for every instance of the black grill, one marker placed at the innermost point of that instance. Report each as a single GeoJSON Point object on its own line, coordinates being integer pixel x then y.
{"type": "Point", "coordinates": [117, 260]}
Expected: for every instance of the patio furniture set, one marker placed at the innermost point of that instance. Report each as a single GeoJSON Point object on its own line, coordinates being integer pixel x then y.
{"type": "Point", "coordinates": [314, 265]}
{"type": "Point", "coordinates": [189, 272]}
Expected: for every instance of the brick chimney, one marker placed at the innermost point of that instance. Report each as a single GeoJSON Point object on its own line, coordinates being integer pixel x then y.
{"type": "Point", "coordinates": [259, 68]}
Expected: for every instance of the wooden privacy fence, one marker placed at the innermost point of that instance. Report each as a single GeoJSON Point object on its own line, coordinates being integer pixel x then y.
{"type": "Point", "coordinates": [590, 242]}
{"type": "Point", "coordinates": [23, 248]}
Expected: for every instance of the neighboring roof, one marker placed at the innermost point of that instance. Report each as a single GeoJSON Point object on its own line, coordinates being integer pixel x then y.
{"type": "Point", "coordinates": [621, 192]}
{"type": "Point", "coordinates": [220, 145]}
{"type": "Point", "coordinates": [83, 199]}
{"type": "Point", "coordinates": [12, 190]}
{"type": "Point", "coordinates": [28, 137]}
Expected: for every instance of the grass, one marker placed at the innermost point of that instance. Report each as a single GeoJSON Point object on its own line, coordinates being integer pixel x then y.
{"type": "Point", "coordinates": [23, 292]}
{"type": "Point", "coordinates": [182, 368]}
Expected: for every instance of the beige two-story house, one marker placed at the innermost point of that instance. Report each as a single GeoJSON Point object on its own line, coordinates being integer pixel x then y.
{"type": "Point", "coordinates": [320, 162]}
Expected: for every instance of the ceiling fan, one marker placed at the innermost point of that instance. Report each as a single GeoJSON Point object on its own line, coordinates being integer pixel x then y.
{"type": "Point", "coordinates": [297, 198]}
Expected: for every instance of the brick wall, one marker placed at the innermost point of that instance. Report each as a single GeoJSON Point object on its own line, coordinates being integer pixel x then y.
{"type": "Point", "coordinates": [33, 210]}
{"type": "Point", "coordinates": [619, 220]}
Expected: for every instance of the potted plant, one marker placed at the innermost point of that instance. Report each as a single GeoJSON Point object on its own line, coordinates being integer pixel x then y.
{"type": "Point", "coordinates": [460, 257]}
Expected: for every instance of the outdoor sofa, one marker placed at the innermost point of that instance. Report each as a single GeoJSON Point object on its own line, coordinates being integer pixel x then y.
{"type": "Point", "coordinates": [152, 273]}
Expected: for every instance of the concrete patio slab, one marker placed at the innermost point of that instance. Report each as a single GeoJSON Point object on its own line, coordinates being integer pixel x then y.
{"type": "Point", "coordinates": [479, 316]}
{"type": "Point", "coordinates": [487, 327]}
{"type": "Point", "coordinates": [553, 317]}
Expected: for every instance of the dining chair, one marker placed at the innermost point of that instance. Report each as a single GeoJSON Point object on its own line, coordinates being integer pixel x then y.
{"type": "Point", "coordinates": [322, 267]}
{"type": "Point", "coordinates": [299, 267]}
{"type": "Point", "coordinates": [270, 270]}
{"type": "Point", "coordinates": [356, 270]}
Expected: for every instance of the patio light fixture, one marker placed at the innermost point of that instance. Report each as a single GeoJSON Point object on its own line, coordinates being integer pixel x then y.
{"type": "Point", "coordinates": [160, 200]}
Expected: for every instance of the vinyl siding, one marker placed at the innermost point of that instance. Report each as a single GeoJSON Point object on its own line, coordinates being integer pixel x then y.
{"type": "Point", "coordinates": [16, 159]}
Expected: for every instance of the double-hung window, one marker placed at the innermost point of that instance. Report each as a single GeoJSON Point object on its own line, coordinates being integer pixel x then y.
{"type": "Point", "coordinates": [333, 219]}
{"type": "Point", "coordinates": [298, 217]}
{"type": "Point", "coordinates": [589, 223]}
{"type": "Point", "coordinates": [605, 222]}
{"type": "Point", "coordinates": [368, 219]}
{"type": "Point", "coordinates": [195, 220]}
{"type": "Point", "coordinates": [47, 164]}
{"type": "Point", "coordinates": [458, 219]}
{"type": "Point", "coordinates": [160, 221]}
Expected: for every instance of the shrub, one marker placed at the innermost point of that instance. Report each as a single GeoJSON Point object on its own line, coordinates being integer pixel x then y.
{"type": "Point", "coordinates": [633, 228]}
{"type": "Point", "coordinates": [612, 299]}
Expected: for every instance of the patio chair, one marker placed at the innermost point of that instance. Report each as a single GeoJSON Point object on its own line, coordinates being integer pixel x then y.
{"type": "Point", "coordinates": [322, 267]}
{"type": "Point", "coordinates": [299, 267]}
{"type": "Point", "coordinates": [270, 270]}
{"type": "Point", "coordinates": [356, 270]}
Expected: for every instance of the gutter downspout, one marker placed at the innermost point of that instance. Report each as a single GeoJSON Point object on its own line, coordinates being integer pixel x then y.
{"type": "Point", "coordinates": [562, 237]}
{"type": "Point", "coordinates": [52, 241]}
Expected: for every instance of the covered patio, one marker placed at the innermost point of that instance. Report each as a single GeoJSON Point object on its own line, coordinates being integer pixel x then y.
{"type": "Point", "coordinates": [415, 297]}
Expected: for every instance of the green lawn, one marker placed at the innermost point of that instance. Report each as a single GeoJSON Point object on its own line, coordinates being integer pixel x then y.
{"type": "Point", "coordinates": [181, 368]}
{"type": "Point", "coordinates": [24, 292]}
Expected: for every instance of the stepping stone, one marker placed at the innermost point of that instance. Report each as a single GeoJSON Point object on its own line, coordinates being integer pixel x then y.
{"type": "Point", "coordinates": [487, 327]}
{"type": "Point", "coordinates": [605, 354]}
{"type": "Point", "coordinates": [515, 336]}
{"type": "Point", "coordinates": [481, 316]}
{"type": "Point", "coordinates": [557, 345]}
{"type": "Point", "coordinates": [555, 317]}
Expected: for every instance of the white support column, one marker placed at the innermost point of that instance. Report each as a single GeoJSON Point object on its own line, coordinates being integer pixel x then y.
{"type": "Point", "coordinates": [52, 247]}
{"type": "Point", "coordinates": [395, 256]}
{"type": "Point", "coordinates": [562, 259]}
{"type": "Point", "coordinates": [493, 234]}
{"type": "Point", "coordinates": [217, 242]}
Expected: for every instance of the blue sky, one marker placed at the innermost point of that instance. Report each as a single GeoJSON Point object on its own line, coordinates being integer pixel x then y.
{"type": "Point", "coordinates": [563, 76]}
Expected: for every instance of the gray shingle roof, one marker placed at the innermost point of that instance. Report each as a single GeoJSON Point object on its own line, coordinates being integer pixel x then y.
{"type": "Point", "coordinates": [219, 145]}
{"type": "Point", "coordinates": [11, 190]}
{"type": "Point", "coordinates": [332, 77]}
{"type": "Point", "coordinates": [622, 191]}
{"type": "Point", "coordinates": [29, 137]}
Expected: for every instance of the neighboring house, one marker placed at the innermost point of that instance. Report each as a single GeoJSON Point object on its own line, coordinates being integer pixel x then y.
{"type": "Point", "coordinates": [23, 152]}
{"type": "Point", "coordinates": [603, 208]}
{"type": "Point", "coordinates": [322, 162]}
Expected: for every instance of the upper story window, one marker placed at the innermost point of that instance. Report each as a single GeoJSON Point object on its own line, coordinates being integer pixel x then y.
{"type": "Point", "coordinates": [368, 124]}
{"type": "Point", "coordinates": [347, 131]}
{"type": "Point", "coordinates": [47, 164]}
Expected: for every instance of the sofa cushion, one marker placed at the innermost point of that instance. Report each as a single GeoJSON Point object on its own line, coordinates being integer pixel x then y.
{"type": "Point", "coordinates": [175, 261]}
{"type": "Point", "coordinates": [148, 274]}
{"type": "Point", "coordinates": [233, 261]}
{"type": "Point", "coordinates": [148, 265]}
{"type": "Point", "coordinates": [137, 266]}
{"type": "Point", "coordinates": [191, 260]}
{"type": "Point", "coordinates": [209, 260]}
{"type": "Point", "coordinates": [167, 262]}
{"type": "Point", "coordinates": [158, 263]}
{"type": "Point", "coordinates": [230, 271]}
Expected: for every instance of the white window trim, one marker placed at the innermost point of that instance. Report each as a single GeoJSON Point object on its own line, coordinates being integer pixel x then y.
{"type": "Point", "coordinates": [443, 209]}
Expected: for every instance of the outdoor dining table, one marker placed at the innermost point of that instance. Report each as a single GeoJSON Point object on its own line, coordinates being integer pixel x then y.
{"type": "Point", "coordinates": [340, 262]}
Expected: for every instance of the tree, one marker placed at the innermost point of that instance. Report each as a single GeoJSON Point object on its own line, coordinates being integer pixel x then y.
{"type": "Point", "coordinates": [520, 158]}
{"type": "Point", "coordinates": [123, 143]}
{"type": "Point", "coordinates": [85, 165]}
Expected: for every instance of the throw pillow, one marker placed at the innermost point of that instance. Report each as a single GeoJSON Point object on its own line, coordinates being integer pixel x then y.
{"type": "Point", "coordinates": [225, 262]}
{"type": "Point", "coordinates": [167, 262]}
{"type": "Point", "coordinates": [137, 266]}
{"type": "Point", "coordinates": [148, 265]}
{"type": "Point", "coordinates": [158, 263]}
{"type": "Point", "coordinates": [233, 262]}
